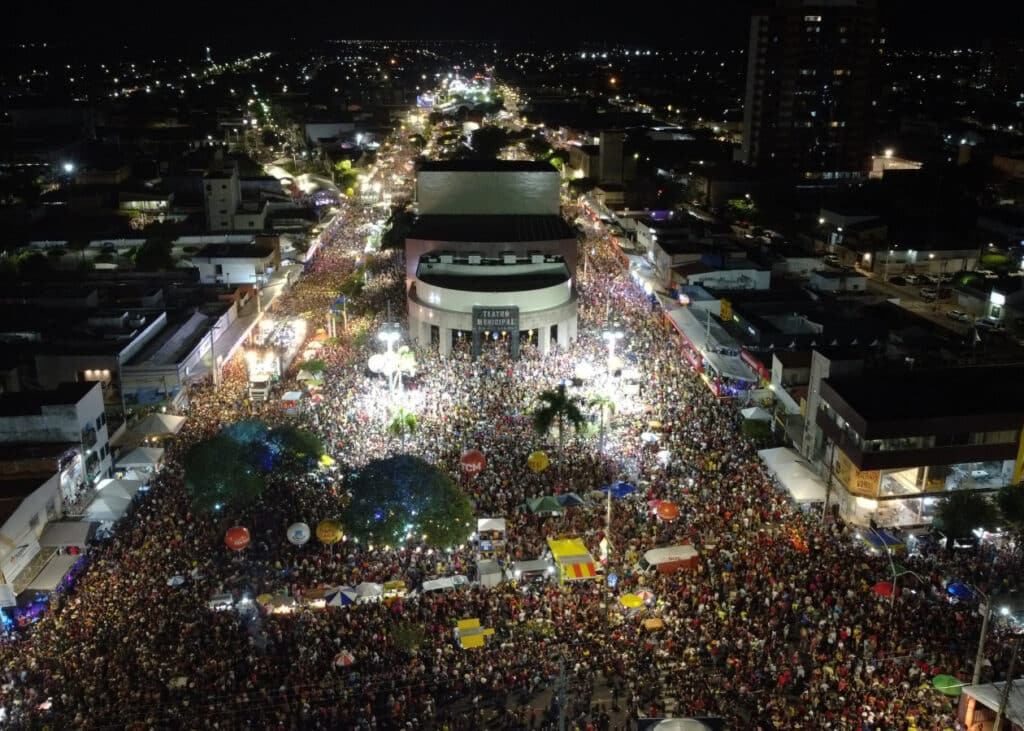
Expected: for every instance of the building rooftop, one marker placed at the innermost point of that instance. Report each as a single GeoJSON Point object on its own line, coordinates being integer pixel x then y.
{"type": "Point", "coordinates": [234, 251]}
{"type": "Point", "coordinates": [486, 166]}
{"type": "Point", "coordinates": [938, 393]}
{"type": "Point", "coordinates": [31, 403]}
{"type": "Point", "coordinates": [488, 228]}
{"type": "Point", "coordinates": [794, 359]}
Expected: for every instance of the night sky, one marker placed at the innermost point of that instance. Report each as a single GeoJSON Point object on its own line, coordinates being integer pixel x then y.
{"type": "Point", "coordinates": [723, 23]}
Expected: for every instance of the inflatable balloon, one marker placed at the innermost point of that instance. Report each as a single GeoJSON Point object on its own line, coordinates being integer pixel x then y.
{"type": "Point", "coordinates": [328, 531]}
{"type": "Point", "coordinates": [237, 538]}
{"type": "Point", "coordinates": [538, 461]}
{"type": "Point", "coordinates": [668, 510]}
{"type": "Point", "coordinates": [473, 462]}
{"type": "Point", "coordinates": [298, 534]}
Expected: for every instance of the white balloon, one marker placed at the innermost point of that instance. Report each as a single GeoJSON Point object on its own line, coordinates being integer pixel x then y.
{"type": "Point", "coordinates": [298, 534]}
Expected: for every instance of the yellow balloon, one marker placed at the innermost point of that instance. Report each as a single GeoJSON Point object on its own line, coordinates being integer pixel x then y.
{"type": "Point", "coordinates": [538, 461]}
{"type": "Point", "coordinates": [328, 531]}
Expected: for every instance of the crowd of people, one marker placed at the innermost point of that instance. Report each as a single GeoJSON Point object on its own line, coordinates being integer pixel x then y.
{"type": "Point", "coordinates": [777, 628]}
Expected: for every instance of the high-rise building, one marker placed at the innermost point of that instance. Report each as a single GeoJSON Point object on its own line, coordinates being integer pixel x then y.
{"type": "Point", "coordinates": [810, 80]}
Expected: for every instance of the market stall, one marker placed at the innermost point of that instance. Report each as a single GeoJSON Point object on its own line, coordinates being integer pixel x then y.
{"type": "Point", "coordinates": [572, 559]}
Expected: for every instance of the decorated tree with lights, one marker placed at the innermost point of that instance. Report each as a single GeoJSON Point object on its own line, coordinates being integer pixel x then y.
{"type": "Point", "coordinates": [403, 498]}
{"type": "Point", "coordinates": [220, 473]}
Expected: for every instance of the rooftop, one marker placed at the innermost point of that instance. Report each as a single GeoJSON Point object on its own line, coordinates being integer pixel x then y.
{"type": "Point", "coordinates": [488, 228]}
{"type": "Point", "coordinates": [234, 251]}
{"type": "Point", "coordinates": [31, 403]}
{"type": "Point", "coordinates": [942, 392]}
{"type": "Point", "coordinates": [486, 166]}
{"type": "Point", "coordinates": [496, 282]}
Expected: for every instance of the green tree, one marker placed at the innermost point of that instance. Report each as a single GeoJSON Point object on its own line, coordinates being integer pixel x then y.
{"type": "Point", "coordinates": [961, 512]}
{"type": "Point", "coordinates": [402, 423]}
{"type": "Point", "coordinates": [155, 254]}
{"type": "Point", "coordinates": [313, 365]}
{"type": "Point", "coordinates": [556, 406]}
{"type": "Point", "coordinates": [537, 147]}
{"type": "Point", "coordinates": [407, 637]}
{"type": "Point", "coordinates": [1010, 500]}
{"type": "Point", "coordinates": [488, 141]}
{"type": "Point", "coordinates": [579, 186]}
{"type": "Point", "coordinates": [605, 408]}
{"type": "Point", "coordinates": [34, 263]}
{"type": "Point", "coordinates": [397, 228]}
{"type": "Point", "coordinates": [294, 450]}
{"type": "Point", "coordinates": [402, 495]}
{"type": "Point", "coordinates": [220, 474]}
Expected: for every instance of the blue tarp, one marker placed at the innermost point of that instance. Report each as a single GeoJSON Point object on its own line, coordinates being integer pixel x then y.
{"type": "Point", "coordinates": [881, 539]}
{"type": "Point", "coordinates": [960, 590]}
{"type": "Point", "coordinates": [619, 489]}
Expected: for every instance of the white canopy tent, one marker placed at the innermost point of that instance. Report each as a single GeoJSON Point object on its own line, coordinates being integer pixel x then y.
{"type": "Point", "coordinates": [794, 473]}
{"type": "Point", "coordinates": [158, 425]}
{"type": "Point", "coordinates": [141, 458]}
{"type": "Point", "coordinates": [67, 533]}
{"type": "Point", "coordinates": [53, 573]}
{"type": "Point", "coordinates": [112, 500]}
{"type": "Point", "coordinates": [756, 413]}
{"type": "Point", "coordinates": [990, 695]}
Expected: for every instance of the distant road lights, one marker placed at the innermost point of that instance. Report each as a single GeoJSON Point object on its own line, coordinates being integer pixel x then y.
{"type": "Point", "coordinates": [69, 167]}
{"type": "Point", "coordinates": [889, 152]}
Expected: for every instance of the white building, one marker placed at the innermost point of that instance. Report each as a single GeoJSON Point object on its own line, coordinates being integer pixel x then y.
{"type": "Point", "coordinates": [225, 209]}
{"type": "Point", "coordinates": [71, 414]}
{"type": "Point", "coordinates": [238, 264]}
{"type": "Point", "coordinates": [489, 258]}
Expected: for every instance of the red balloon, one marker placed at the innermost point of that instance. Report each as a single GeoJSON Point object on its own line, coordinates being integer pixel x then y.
{"type": "Point", "coordinates": [473, 462]}
{"type": "Point", "coordinates": [668, 510]}
{"type": "Point", "coordinates": [237, 538]}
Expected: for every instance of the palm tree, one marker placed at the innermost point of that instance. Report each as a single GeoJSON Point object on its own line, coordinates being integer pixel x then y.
{"type": "Point", "coordinates": [557, 406]}
{"type": "Point", "coordinates": [606, 410]}
{"type": "Point", "coordinates": [403, 423]}
{"type": "Point", "coordinates": [961, 512]}
{"type": "Point", "coordinates": [1010, 500]}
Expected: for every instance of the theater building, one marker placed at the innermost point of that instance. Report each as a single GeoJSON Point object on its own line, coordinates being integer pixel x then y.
{"type": "Point", "coordinates": [489, 259]}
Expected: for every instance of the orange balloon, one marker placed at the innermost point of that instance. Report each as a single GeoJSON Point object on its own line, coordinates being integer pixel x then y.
{"type": "Point", "coordinates": [668, 511]}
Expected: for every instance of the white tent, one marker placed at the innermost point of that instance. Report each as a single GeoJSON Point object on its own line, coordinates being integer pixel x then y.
{"type": "Point", "coordinates": [795, 474]}
{"type": "Point", "coordinates": [292, 396]}
{"type": "Point", "coordinates": [488, 573]}
{"type": "Point", "coordinates": [990, 695]}
{"type": "Point", "coordinates": [107, 507]}
{"type": "Point", "coordinates": [158, 425]}
{"type": "Point", "coordinates": [497, 524]}
{"type": "Point", "coordinates": [67, 533]}
{"type": "Point", "coordinates": [144, 458]}
{"type": "Point", "coordinates": [53, 573]}
{"type": "Point", "coordinates": [369, 591]}
{"type": "Point", "coordinates": [756, 413]}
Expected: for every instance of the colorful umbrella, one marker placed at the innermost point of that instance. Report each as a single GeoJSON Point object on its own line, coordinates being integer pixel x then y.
{"type": "Point", "coordinates": [344, 659]}
{"type": "Point", "coordinates": [882, 588]}
{"type": "Point", "coordinates": [341, 596]}
{"type": "Point", "coordinates": [960, 590]}
{"type": "Point", "coordinates": [948, 685]}
{"type": "Point", "coordinates": [619, 489]}
{"type": "Point", "coordinates": [631, 601]}
{"type": "Point", "coordinates": [646, 595]}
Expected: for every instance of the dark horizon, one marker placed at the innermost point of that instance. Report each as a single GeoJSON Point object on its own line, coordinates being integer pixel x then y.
{"type": "Point", "coordinates": [724, 25]}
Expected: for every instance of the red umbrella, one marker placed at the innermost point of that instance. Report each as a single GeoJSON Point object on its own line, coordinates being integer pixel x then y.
{"type": "Point", "coordinates": [882, 588]}
{"type": "Point", "coordinates": [668, 510]}
{"type": "Point", "coordinates": [473, 462]}
{"type": "Point", "coordinates": [237, 538]}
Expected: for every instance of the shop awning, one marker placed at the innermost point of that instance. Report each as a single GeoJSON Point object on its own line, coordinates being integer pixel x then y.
{"type": "Point", "coordinates": [794, 474]}
{"type": "Point", "coordinates": [158, 425]}
{"type": "Point", "coordinates": [484, 524]}
{"type": "Point", "coordinates": [67, 533]}
{"type": "Point", "coordinates": [990, 695]}
{"type": "Point", "coordinates": [142, 457]}
{"type": "Point", "coordinates": [576, 571]}
{"type": "Point", "coordinates": [53, 573]}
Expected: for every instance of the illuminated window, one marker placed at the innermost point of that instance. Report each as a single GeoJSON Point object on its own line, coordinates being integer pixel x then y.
{"type": "Point", "coordinates": [812, 18]}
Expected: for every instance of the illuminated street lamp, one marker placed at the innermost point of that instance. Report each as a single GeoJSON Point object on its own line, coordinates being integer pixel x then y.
{"type": "Point", "coordinates": [69, 167]}
{"type": "Point", "coordinates": [612, 334]}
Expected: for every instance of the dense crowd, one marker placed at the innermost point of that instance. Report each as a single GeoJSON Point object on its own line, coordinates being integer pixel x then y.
{"type": "Point", "coordinates": [769, 632]}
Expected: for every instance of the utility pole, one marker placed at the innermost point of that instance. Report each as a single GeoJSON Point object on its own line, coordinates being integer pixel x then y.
{"type": "Point", "coordinates": [561, 691]}
{"type": "Point", "coordinates": [1004, 697]}
{"type": "Point", "coordinates": [828, 482]}
{"type": "Point", "coordinates": [980, 656]}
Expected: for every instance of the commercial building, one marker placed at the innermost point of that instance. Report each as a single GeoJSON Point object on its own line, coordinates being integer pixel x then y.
{"type": "Point", "coordinates": [489, 259]}
{"type": "Point", "coordinates": [899, 441]}
{"type": "Point", "coordinates": [810, 79]}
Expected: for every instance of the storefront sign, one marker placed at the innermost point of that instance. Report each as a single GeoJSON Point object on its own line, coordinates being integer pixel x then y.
{"type": "Point", "coordinates": [489, 322]}
{"type": "Point", "coordinates": [19, 557]}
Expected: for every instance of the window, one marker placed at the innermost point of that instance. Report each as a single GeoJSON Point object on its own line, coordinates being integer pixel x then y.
{"type": "Point", "coordinates": [812, 18]}
{"type": "Point", "coordinates": [219, 270]}
{"type": "Point", "coordinates": [224, 186]}
{"type": "Point", "coordinates": [252, 224]}
{"type": "Point", "coordinates": [223, 211]}
{"type": "Point", "coordinates": [99, 422]}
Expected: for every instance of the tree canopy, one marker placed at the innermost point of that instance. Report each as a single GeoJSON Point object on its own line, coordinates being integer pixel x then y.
{"type": "Point", "coordinates": [488, 142]}
{"type": "Point", "coordinates": [404, 495]}
{"type": "Point", "coordinates": [1010, 500]}
{"type": "Point", "coordinates": [961, 512]}
{"type": "Point", "coordinates": [155, 254]}
{"type": "Point", "coordinates": [219, 473]}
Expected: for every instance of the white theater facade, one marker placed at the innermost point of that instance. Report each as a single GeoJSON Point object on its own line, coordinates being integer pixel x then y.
{"type": "Point", "coordinates": [489, 259]}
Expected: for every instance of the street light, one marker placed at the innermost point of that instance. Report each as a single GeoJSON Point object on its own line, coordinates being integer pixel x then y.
{"type": "Point", "coordinates": [69, 167]}
{"type": "Point", "coordinates": [612, 334]}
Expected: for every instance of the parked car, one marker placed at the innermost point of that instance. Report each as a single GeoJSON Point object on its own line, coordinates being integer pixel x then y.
{"type": "Point", "coordinates": [832, 260]}
{"type": "Point", "coordinates": [987, 323]}
{"type": "Point", "coordinates": [929, 293]}
{"type": "Point", "coordinates": [958, 316]}
{"type": "Point", "coordinates": [987, 273]}
{"type": "Point", "coordinates": [898, 281]}
{"type": "Point", "coordinates": [912, 279]}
